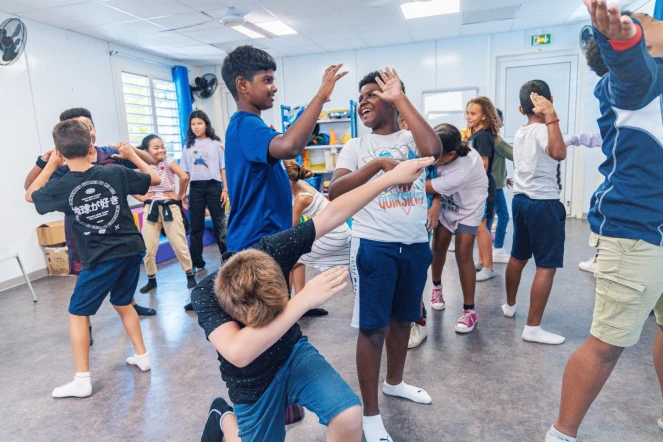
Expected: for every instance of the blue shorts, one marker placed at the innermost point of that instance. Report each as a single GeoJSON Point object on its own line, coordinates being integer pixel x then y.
{"type": "Point", "coordinates": [388, 280]}
{"type": "Point", "coordinates": [305, 379]}
{"type": "Point", "coordinates": [539, 229]}
{"type": "Point", "coordinates": [118, 276]}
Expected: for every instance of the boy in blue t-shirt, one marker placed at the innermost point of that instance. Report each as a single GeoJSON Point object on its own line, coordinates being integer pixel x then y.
{"type": "Point", "coordinates": [258, 186]}
{"type": "Point", "coordinates": [626, 217]}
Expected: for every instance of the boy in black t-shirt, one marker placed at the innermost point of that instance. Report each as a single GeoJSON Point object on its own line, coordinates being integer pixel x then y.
{"type": "Point", "coordinates": [247, 315]}
{"type": "Point", "coordinates": [110, 245]}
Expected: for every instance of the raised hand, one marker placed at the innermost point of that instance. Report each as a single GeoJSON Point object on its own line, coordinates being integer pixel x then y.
{"type": "Point", "coordinates": [542, 106]}
{"type": "Point", "coordinates": [390, 84]}
{"type": "Point", "coordinates": [607, 19]}
{"type": "Point", "coordinates": [409, 171]}
{"type": "Point", "coordinates": [329, 79]}
{"type": "Point", "coordinates": [54, 158]}
{"type": "Point", "coordinates": [46, 155]}
{"type": "Point", "coordinates": [324, 286]}
{"type": "Point", "coordinates": [126, 151]}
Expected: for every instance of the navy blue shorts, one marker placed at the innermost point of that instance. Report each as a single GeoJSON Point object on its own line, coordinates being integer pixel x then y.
{"type": "Point", "coordinates": [305, 379]}
{"type": "Point", "coordinates": [117, 276]}
{"type": "Point", "coordinates": [388, 280]}
{"type": "Point", "coordinates": [539, 229]}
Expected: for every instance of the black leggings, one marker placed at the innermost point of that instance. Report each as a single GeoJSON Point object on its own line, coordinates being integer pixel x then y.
{"type": "Point", "coordinates": [205, 194]}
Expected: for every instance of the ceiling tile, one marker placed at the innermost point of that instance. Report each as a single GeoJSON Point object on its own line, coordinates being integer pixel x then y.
{"type": "Point", "coordinates": [342, 45]}
{"type": "Point", "coordinates": [491, 27]}
{"type": "Point", "coordinates": [474, 5]}
{"type": "Point", "coordinates": [332, 22]}
{"type": "Point", "coordinates": [387, 38]}
{"type": "Point", "coordinates": [284, 9]}
{"type": "Point", "coordinates": [373, 17]}
{"type": "Point", "coordinates": [539, 21]}
{"type": "Point", "coordinates": [219, 35]}
{"type": "Point", "coordinates": [14, 7]}
{"type": "Point", "coordinates": [547, 7]}
{"type": "Point", "coordinates": [170, 40]}
{"type": "Point", "coordinates": [149, 8]}
{"type": "Point", "coordinates": [43, 16]}
{"type": "Point", "coordinates": [200, 50]}
{"type": "Point", "coordinates": [436, 34]}
{"type": "Point", "coordinates": [442, 21]}
{"type": "Point", "coordinates": [91, 14]}
{"type": "Point", "coordinates": [181, 20]}
{"type": "Point", "coordinates": [43, 4]}
{"type": "Point", "coordinates": [128, 32]}
{"type": "Point", "coordinates": [207, 5]}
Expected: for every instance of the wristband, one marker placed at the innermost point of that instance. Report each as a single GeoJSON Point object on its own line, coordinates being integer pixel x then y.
{"type": "Point", "coordinates": [41, 163]}
{"type": "Point", "coordinates": [224, 190]}
{"type": "Point", "coordinates": [552, 122]}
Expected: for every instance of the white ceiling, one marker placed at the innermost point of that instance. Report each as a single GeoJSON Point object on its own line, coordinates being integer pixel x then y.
{"type": "Point", "coordinates": [322, 25]}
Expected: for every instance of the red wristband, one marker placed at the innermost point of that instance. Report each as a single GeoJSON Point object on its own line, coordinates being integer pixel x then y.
{"type": "Point", "coordinates": [622, 45]}
{"type": "Point", "coordinates": [552, 122]}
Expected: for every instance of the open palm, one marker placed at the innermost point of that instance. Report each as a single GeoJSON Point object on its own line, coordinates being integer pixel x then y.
{"type": "Point", "coordinates": [390, 84]}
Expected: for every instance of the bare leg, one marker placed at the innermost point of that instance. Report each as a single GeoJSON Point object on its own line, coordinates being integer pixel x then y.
{"type": "Point", "coordinates": [369, 355]}
{"type": "Point", "coordinates": [514, 271]}
{"type": "Point", "coordinates": [398, 334]}
{"type": "Point", "coordinates": [298, 277]}
{"type": "Point", "coordinates": [441, 241]}
{"type": "Point", "coordinates": [466, 270]}
{"type": "Point", "coordinates": [132, 326]}
{"type": "Point", "coordinates": [79, 335]}
{"type": "Point", "coordinates": [584, 376]}
{"type": "Point", "coordinates": [485, 244]}
{"type": "Point", "coordinates": [230, 428]}
{"type": "Point", "coordinates": [345, 427]}
{"type": "Point", "coordinates": [541, 287]}
{"type": "Point", "coordinates": [658, 357]}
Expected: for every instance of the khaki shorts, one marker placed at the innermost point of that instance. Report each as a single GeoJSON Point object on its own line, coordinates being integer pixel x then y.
{"type": "Point", "coordinates": [629, 284]}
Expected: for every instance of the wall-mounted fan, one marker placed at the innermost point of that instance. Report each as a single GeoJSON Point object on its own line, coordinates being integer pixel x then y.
{"type": "Point", "coordinates": [585, 34]}
{"type": "Point", "coordinates": [13, 36]}
{"type": "Point", "coordinates": [204, 86]}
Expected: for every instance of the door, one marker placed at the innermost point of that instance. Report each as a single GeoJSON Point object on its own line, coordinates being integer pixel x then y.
{"type": "Point", "coordinates": [561, 74]}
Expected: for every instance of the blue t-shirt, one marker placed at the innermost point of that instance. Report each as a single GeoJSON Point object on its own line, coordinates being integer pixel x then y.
{"type": "Point", "coordinates": [258, 185]}
{"type": "Point", "coordinates": [629, 203]}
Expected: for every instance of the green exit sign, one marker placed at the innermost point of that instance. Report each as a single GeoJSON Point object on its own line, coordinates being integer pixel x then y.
{"type": "Point", "coordinates": [543, 39]}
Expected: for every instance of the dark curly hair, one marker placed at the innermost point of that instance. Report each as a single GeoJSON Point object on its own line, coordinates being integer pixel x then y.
{"type": "Point", "coordinates": [492, 121]}
{"type": "Point", "coordinates": [593, 54]}
{"type": "Point", "coordinates": [76, 112]}
{"type": "Point", "coordinates": [370, 79]}
{"type": "Point", "coordinates": [245, 61]}
{"type": "Point", "coordinates": [451, 139]}
{"type": "Point", "coordinates": [209, 130]}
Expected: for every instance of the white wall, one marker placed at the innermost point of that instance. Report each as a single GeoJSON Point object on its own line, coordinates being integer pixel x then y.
{"type": "Point", "coordinates": [59, 70]}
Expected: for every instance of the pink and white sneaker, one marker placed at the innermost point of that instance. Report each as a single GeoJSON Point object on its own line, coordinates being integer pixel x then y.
{"type": "Point", "coordinates": [437, 300]}
{"type": "Point", "coordinates": [467, 321]}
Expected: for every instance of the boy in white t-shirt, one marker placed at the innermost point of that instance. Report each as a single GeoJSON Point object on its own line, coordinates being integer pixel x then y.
{"type": "Point", "coordinates": [538, 215]}
{"type": "Point", "coordinates": [390, 255]}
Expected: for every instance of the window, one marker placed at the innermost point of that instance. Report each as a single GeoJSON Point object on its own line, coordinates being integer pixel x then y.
{"type": "Point", "coordinates": [447, 106]}
{"type": "Point", "coordinates": [151, 108]}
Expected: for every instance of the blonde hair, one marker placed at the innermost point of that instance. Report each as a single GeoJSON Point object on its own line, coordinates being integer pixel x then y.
{"type": "Point", "coordinates": [295, 171]}
{"type": "Point", "coordinates": [251, 288]}
{"type": "Point", "coordinates": [492, 121]}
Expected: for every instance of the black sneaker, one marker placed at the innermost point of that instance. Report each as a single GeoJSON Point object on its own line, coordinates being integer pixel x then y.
{"type": "Point", "coordinates": [144, 311]}
{"type": "Point", "coordinates": [188, 307]}
{"type": "Point", "coordinates": [212, 431]}
{"type": "Point", "coordinates": [191, 280]}
{"type": "Point", "coordinates": [151, 284]}
{"type": "Point", "coordinates": [316, 312]}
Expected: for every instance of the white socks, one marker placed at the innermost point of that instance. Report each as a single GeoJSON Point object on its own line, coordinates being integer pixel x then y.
{"type": "Point", "coordinates": [555, 436]}
{"type": "Point", "coordinates": [509, 310]}
{"type": "Point", "coordinates": [79, 387]}
{"type": "Point", "coordinates": [142, 361]}
{"type": "Point", "coordinates": [415, 394]}
{"type": "Point", "coordinates": [374, 430]}
{"type": "Point", "coordinates": [660, 423]}
{"type": "Point", "coordinates": [537, 334]}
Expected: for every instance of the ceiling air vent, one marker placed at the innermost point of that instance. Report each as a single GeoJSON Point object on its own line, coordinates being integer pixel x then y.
{"type": "Point", "coordinates": [486, 15]}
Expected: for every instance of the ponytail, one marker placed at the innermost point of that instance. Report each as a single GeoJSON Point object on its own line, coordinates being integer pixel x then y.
{"type": "Point", "coordinates": [451, 140]}
{"type": "Point", "coordinates": [296, 172]}
{"type": "Point", "coordinates": [464, 148]}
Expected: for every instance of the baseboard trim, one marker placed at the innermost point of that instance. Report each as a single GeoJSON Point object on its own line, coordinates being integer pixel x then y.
{"type": "Point", "coordinates": [19, 280]}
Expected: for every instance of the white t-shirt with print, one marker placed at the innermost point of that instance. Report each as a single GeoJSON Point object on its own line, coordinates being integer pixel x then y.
{"type": "Point", "coordinates": [536, 173]}
{"type": "Point", "coordinates": [463, 185]}
{"type": "Point", "coordinates": [393, 216]}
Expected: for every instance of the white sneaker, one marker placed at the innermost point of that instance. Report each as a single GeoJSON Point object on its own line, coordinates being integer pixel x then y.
{"type": "Point", "coordinates": [452, 246]}
{"type": "Point", "coordinates": [485, 274]}
{"type": "Point", "coordinates": [478, 266]}
{"type": "Point", "coordinates": [500, 256]}
{"type": "Point", "coordinates": [417, 335]}
{"type": "Point", "coordinates": [660, 423]}
{"type": "Point", "coordinates": [588, 266]}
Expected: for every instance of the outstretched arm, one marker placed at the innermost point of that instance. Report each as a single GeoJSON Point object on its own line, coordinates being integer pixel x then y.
{"type": "Point", "coordinates": [127, 152]}
{"type": "Point", "coordinates": [556, 148]}
{"type": "Point", "coordinates": [54, 161]}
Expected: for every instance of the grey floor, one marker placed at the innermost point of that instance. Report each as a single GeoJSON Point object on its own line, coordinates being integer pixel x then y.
{"type": "Point", "coordinates": [486, 386]}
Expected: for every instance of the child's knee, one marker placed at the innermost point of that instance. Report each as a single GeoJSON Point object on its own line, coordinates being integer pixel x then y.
{"type": "Point", "coordinates": [349, 422]}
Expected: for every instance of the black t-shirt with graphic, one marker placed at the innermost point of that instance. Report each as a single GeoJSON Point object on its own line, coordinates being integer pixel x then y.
{"type": "Point", "coordinates": [103, 225]}
{"type": "Point", "coordinates": [484, 142]}
{"type": "Point", "coordinates": [246, 385]}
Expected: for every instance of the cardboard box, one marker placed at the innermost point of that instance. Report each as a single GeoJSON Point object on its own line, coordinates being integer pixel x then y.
{"type": "Point", "coordinates": [51, 234]}
{"type": "Point", "coordinates": [58, 260]}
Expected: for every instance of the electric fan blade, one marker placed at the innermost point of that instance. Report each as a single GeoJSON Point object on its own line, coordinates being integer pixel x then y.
{"type": "Point", "coordinates": [18, 30]}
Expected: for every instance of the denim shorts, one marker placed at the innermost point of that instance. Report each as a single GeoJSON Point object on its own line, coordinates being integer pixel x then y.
{"type": "Point", "coordinates": [305, 379]}
{"type": "Point", "coordinates": [118, 276]}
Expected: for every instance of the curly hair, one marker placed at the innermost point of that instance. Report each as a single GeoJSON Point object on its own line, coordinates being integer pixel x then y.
{"type": "Point", "coordinates": [492, 121]}
{"type": "Point", "coordinates": [209, 130]}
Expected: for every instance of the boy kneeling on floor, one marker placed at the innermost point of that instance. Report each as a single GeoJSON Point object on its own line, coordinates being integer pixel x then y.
{"type": "Point", "coordinates": [247, 315]}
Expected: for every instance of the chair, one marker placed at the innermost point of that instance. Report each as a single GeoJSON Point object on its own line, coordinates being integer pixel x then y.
{"type": "Point", "coordinates": [6, 255]}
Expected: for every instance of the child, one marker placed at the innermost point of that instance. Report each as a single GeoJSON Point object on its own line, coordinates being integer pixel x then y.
{"type": "Point", "coordinates": [110, 246]}
{"type": "Point", "coordinates": [538, 214]}
{"type": "Point", "coordinates": [626, 215]}
{"type": "Point", "coordinates": [259, 186]}
{"type": "Point", "coordinates": [203, 159]}
{"type": "Point", "coordinates": [503, 152]}
{"type": "Point", "coordinates": [463, 184]}
{"type": "Point", "coordinates": [330, 251]}
{"type": "Point", "coordinates": [103, 155]}
{"type": "Point", "coordinates": [163, 210]}
{"type": "Point", "coordinates": [390, 252]}
{"type": "Point", "coordinates": [484, 124]}
{"type": "Point", "coordinates": [247, 315]}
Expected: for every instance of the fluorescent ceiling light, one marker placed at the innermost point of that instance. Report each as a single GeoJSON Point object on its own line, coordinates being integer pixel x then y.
{"type": "Point", "coordinates": [277, 28]}
{"type": "Point", "coordinates": [429, 8]}
{"type": "Point", "coordinates": [248, 32]}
